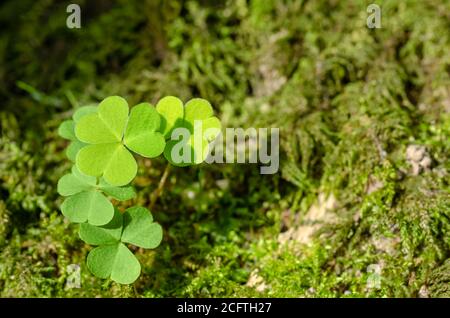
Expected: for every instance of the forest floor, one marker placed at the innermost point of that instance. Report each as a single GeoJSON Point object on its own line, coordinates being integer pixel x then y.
{"type": "Point", "coordinates": [361, 204]}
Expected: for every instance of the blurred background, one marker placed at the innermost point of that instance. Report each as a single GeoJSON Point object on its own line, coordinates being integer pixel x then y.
{"type": "Point", "coordinates": [360, 207]}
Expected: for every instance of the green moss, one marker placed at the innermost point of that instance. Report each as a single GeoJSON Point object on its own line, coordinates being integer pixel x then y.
{"type": "Point", "coordinates": [348, 100]}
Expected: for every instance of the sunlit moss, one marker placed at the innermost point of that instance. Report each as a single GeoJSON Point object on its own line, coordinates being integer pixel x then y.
{"type": "Point", "coordinates": [348, 100]}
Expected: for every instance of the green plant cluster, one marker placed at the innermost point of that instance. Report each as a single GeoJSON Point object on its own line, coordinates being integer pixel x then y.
{"type": "Point", "coordinates": [349, 101]}
{"type": "Point", "coordinates": [102, 140]}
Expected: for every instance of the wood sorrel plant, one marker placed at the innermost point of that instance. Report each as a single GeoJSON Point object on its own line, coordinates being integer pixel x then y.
{"type": "Point", "coordinates": [103, 140]}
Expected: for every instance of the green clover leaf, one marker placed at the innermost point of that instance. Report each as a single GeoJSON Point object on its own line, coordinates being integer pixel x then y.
{"type": "Point", "coordinates": [112, 160]}
{"type": "Point", "coordinates": [112, 258]}
{"type": "Point", "coordinates": [196, 152]}
{"type": "Point", "coordinates": [118, 193]}
{"type": "Point", "coordinates": [139, 228]}
{"type": "Point", "coordinates": [85, 202]}
{"type": "Point", "coordinates": [171, 110]}
{"type": "Point", "coordinates": [115, 261]}
{"type": "Point", "coordinates": [102, 141]}
{"type": "Point", "coordinates": [101, 235]}
{"type": "Point", "coordinates": [141, 134]}
{"type": "Point", "coordinates": [82, 111]}
{"type": "Point", "coordinates": [110, 132]}
{"type": "Point", "coordinates": [73, 149]}
{"type": "Point", "coordinates": [174, 116]}
{"type": "Point", "coordinates": [89, 206]}
{"type": "Point", "coordinates": [67, 131]}
{"type": "Point", "coordinates": [106, 125]}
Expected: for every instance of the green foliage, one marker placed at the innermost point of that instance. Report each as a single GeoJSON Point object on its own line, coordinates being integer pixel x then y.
{"type": "Point", "coordinates": [104, 165]}
{"type": "Point", "coordinates": [89, 206]}
{"type": "Point", "coordinates": [109, 132]}
{"type": "Point", "coordinates": [112, 258]}
{"type": "Point", "coordinates": [348, 100]}
{"type": "Point", "coordinates": [196, 115]}
{"type": "Point", "coordinates": [85, 201]}
{"type": "Point", "coordinates": [171, 110]}
{"type": "Point", "coordinates": [67, 130]}
{"type": "Point", "coordinates": [142, 135]}
{"type": "Point", "coordinates": [139, 228]}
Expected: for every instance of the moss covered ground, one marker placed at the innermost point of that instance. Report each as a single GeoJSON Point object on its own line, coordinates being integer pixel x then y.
{"type": "Point", "coordinates": [361, 205]}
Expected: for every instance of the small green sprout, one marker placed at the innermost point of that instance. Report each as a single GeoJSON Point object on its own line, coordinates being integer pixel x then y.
{"type": "Point", "coordinates": [196, 112]}
{"type": "Point", "coordinates": [110, 133]}
{"type": "Point", "coordinates": [85, 201]}
{"type": "Point", "coordinates": [102, 140]}
{"type": "Point", "coordinates": [111, 258]}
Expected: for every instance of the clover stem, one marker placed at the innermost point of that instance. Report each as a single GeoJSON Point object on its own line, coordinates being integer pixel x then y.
{"type": "Point", "coordinates": [160, 188]}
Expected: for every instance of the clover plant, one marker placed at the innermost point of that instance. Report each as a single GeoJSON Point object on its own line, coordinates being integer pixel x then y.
{"type": "Point", "coordinates": [112, 258]}
{"type": "Point", "coordinates": [111, 133]}
{"type": "Point", "coordinates": [103, 142]}
{"type": "Point", "coordinates": [67, 131]}
{"type": "Point", "coordinates": [175, 115]}
{"type": "Point", "coordinates": [85, 200]}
